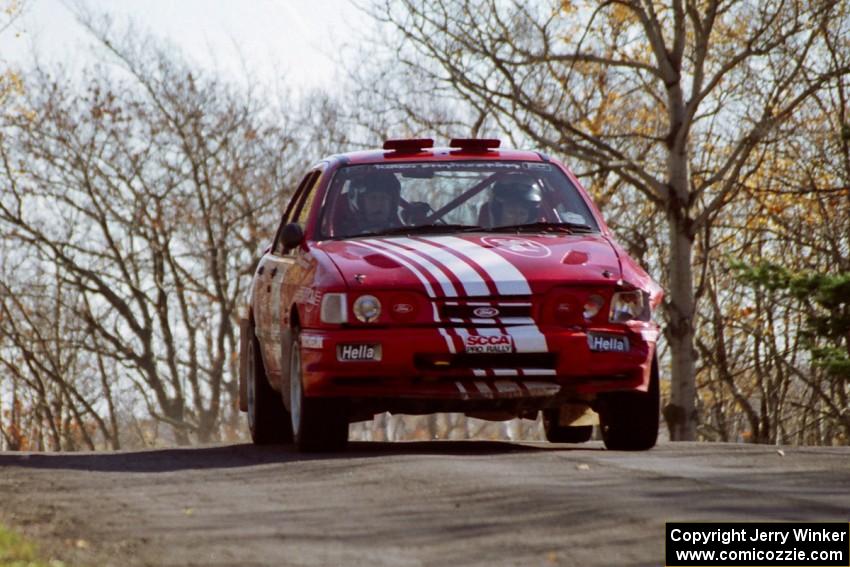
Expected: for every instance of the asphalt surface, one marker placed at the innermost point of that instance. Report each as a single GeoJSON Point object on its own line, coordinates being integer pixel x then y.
{"type": "Point", "coordinates": [437, 503]}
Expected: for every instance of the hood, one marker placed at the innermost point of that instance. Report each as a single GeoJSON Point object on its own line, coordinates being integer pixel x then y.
{"type": "Point", "coordinates": [475, 264]}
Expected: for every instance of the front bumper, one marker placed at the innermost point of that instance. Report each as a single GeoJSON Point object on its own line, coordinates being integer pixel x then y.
{"type": "Point", "coordinates": [431, 363]}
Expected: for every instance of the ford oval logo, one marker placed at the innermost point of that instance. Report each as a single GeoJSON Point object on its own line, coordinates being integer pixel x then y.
{"type": "Point", "coordinates": [402, 308]}
{"type": "Point", "coordinates": [486, 312]}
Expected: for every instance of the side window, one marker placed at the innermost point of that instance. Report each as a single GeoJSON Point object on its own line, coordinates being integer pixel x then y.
{"type": "Point", "coordinates": [295, 210]}
{"type": "Point", "coordinates": [306, 201]}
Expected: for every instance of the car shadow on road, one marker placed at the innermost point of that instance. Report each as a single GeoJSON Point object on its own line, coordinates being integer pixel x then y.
{"type": "Point", "coordinates": [248, 455]}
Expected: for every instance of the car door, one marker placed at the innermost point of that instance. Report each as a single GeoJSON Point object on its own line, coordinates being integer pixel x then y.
{"type": "Point", "coordinates": [270, 295]}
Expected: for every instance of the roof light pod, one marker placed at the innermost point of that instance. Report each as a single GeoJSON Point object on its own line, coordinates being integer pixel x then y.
{"type": "Point", "coordinates": [408, 146]}
{"type": "Point", "coordinates": [475, 144]}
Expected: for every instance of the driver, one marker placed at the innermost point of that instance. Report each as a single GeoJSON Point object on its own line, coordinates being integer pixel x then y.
{"type": "Point", "coordinates": [374, 201]}
{"type": "Point", "coordinates": [514, 201]}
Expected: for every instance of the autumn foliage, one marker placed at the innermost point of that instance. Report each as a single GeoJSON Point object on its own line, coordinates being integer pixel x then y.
{"type": "Point", "coordinates": [714, 135]}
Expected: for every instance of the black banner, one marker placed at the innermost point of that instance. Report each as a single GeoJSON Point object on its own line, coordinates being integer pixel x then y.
{"type": "Point", "coordinates": [757, 544]}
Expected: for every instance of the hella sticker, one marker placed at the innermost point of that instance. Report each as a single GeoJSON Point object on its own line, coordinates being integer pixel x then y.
{"type": "Point", "coordinates": [357, 353]}
{"type": "Point", "coordinates": [486, 312]}
{"type": "Point", "coordinates": [607, 343]}
{"type": "Point", "coordinates": [488, 344]}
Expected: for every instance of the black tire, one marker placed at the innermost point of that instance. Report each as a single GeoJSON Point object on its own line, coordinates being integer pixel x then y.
{"type": "Point", "coordinates": [318, 424]}
{"type": "Point", "coordinates": [268, 419]}
{"type": "Point", "coordinates": [564, 434]}
{"type": "Point", "coordinates": [629, 420]}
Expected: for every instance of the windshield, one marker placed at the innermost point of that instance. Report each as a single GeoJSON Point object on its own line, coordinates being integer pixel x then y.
{"type": "Point", "coordinates": [381, 198]}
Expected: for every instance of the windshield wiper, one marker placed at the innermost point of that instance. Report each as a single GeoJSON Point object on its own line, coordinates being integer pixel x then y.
{"type": "Point", "coordinates": [543, 226]}
{"type": "Point", "coordinates": [420, 229]}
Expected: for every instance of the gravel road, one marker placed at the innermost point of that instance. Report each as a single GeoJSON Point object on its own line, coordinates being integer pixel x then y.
{"type": "Point", "coordinates": [437, 503]}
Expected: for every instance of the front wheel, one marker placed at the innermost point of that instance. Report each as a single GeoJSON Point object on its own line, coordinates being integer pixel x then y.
{"type": "Point", "coordinates": [629, 420]}
{"type": "Point", "coordinates": [318, 424]}
{"type": "Point", "coordinates": [268, 419]}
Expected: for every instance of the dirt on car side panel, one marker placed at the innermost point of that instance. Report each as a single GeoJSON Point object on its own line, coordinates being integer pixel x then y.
{"type": "Point", "coordinates": [301, 290]}
{"type": "Point", "coordinates": [266, 302]}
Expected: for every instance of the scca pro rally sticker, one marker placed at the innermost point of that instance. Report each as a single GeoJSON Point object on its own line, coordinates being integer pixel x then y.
{"type": "Point", "coordinates": [517, 246]}
{"type": "Point", "coordinates": [488, 344]}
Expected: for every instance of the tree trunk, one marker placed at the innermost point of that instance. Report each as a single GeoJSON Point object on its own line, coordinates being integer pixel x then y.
{"type": "Point", "coordinates": [681, 414]}
{"type": "Point", "coordinates": [181, 436]}
{"type": "Point", "coordinates": [207, 428]}
{"type": "Point", "coordinates": [175, 412]}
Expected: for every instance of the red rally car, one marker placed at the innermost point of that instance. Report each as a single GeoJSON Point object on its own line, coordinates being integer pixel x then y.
{"type": "Point", "coordinates": [467, 279]}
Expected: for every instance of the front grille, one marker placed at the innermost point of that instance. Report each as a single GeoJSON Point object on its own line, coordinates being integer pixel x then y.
{"type": "Point", "coordinates": [485, 310]}
{"type": "Point", "coordinates": [537, 360]}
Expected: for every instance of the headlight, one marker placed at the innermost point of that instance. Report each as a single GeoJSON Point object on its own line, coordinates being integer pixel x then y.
{"type": "Point", "coordinates": [367, 308]}
{"type": "Point", "coordinates": [592, 306]}
{"type": "Point", "coordinates": [334, 308]}
{"type": "Point", "coordinates": [628, 306]}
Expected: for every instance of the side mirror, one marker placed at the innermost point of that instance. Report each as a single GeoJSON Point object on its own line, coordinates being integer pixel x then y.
{"type": "Point", "coordinates": [292, 236]}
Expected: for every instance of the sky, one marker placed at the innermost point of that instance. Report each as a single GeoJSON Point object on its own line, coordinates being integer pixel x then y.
{"type": "Point", "coordinates": [292, 40]}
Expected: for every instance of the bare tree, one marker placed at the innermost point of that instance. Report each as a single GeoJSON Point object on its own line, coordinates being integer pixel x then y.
{"type": "Point", "coordinates": [673, 98]}
{"type": "Point", "coordinates": [71, 402]}
{"type": "Point", "coordinates": [789, 225]}
{"type": "Point", "coordinates": [149, 196]}
{"type": "Point", "coordinates": [10, 81]}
